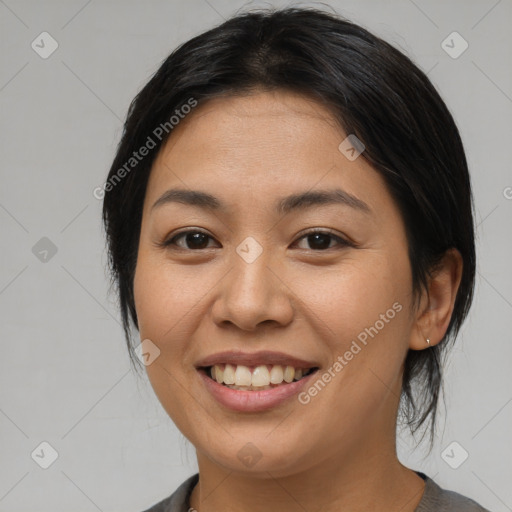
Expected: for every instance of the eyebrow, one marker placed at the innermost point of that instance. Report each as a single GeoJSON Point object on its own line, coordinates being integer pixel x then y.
{"type": "Point", "coordinates": [294, 202]}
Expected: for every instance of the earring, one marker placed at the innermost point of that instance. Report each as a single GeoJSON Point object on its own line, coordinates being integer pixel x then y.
{"type": "Point", "coordinates": [428, 341]}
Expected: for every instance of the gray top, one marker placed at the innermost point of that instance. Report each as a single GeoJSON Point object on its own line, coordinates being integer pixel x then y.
{"type": "Point", "coordinates": [434, 499]}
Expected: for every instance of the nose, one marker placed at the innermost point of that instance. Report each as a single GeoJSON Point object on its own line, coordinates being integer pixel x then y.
{"type": "Point", "coordinates": [252, 294]}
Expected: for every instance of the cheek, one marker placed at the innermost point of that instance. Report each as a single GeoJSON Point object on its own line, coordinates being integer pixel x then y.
{"type": "Point", "coordinates": [361, 312]}
{"type": "Point", "coordinates": [164, 297]}
{"type": "Point", "coordinates": [349, 300]}
{"type": "Point", "coordinates": [163, 301]}
{"type": "Point", "coordinates": [170, 301]}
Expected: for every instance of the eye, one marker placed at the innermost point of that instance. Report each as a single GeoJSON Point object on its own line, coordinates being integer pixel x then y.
{"type": "Point", "coordinates": [194, 238]}
{"type": "Point", "coordinates": [320, 240]}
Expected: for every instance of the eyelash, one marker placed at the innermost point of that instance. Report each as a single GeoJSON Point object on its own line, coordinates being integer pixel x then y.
{"type": "Point", "coordinates": [342, 242]}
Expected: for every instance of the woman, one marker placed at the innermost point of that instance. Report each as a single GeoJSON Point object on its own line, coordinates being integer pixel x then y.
{"type": "Point", "coordinates": [290, 229]}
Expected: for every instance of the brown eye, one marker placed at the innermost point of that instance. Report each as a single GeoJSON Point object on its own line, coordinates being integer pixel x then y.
{"type": "Point", "coordinates": [193, 240]}
{"type": "Point", "coordinates": [321, 240]}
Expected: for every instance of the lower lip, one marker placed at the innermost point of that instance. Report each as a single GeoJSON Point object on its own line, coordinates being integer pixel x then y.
{"type": "Point", "coordinates": [253, 401]}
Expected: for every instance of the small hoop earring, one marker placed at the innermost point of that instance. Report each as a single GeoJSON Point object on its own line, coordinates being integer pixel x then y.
{"type": "Point", "coordinates": [428, 341]}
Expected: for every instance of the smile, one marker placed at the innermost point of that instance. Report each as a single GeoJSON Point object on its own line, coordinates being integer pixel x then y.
{"type": "Point", "coordinates": [251, 398]}
{"type": "Point", "coordinates": [256, 378]}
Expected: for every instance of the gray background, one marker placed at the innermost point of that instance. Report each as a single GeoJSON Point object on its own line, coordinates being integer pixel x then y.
{"type": "Point", "coordinates": [64, 371]}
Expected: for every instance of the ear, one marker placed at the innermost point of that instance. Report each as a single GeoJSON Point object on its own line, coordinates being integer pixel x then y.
{"type": "Point", "coordinates": [435, 310]}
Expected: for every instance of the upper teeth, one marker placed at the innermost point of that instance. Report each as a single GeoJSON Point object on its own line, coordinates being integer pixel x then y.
{"type": "Point", "coordinates": [241, 375]}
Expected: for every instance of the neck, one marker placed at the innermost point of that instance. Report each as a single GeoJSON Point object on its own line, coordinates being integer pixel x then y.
{"type": "Point", "coordinates": [361, 478]}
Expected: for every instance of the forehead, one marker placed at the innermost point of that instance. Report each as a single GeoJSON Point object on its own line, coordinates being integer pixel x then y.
{"type": "Point", "coordinates": [262, 145]}
{"type": "Point", "coordinates": [245, 125]}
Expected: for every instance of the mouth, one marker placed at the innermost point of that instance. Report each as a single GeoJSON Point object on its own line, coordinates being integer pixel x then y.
{"type": "Point", "coordinates": [255, 378]}
{"type": "Point", "coordinates": [255, 382]}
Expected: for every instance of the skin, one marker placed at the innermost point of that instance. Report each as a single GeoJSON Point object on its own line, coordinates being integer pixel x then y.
{"type": "Point", "coordinates": [337, 452]}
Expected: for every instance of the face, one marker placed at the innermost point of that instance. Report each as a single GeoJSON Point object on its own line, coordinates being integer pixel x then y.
{"type": "Point", "coordinates": [325, 280]}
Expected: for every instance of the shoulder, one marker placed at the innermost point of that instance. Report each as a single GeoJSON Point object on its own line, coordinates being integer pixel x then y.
{"type": "Point", "coordinates": [436, 499]}
{"type": "Point", "coordinates": [178, 500]}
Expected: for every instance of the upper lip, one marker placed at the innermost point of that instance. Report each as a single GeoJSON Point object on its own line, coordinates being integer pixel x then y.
{"type": "Point", "coordinates": [254, 359]}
